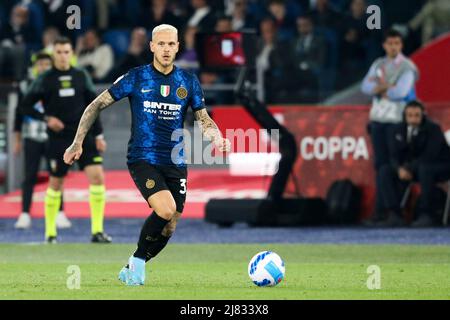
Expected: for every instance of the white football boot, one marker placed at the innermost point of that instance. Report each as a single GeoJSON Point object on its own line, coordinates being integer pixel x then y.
{"type": "Point", "coordinates": [62, 222]}
{"type": "Point", "coordinates": [23, 222]}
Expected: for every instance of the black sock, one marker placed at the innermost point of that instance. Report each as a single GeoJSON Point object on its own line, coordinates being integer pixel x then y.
{"type": "Point", "coordinates": [150, 239]}
{"type": "Point", "coordinates": [156, 247]}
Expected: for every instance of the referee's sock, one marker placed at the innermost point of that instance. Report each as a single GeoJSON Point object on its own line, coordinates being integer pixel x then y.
{"type": "Point", "coordinates": [52, 203]}
{"type": "Point", "coordinates": [151, 241]}
{"type": "Point", "coordinates": [97, 205]}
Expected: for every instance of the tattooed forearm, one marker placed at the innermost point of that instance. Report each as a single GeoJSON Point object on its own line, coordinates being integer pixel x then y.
{"type": "Point", "coordinates": [90, 114]}
{"type": "Point", "coordinates": [207, 125]}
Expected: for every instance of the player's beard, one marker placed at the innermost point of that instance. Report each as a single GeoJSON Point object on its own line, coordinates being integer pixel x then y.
{"type": "Point", "coordinates": [164, 63]}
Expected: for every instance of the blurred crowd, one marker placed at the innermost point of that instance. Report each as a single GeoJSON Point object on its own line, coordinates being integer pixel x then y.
{"type": "Point", "coordinates": [322, 45]}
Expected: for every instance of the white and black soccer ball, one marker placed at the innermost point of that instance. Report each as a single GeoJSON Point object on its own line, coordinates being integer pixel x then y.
{"type": "Point", "coordinates": [266, 269]}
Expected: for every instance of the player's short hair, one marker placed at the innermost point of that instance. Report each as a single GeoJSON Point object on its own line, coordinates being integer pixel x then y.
{"type": "Point", "coordinates": [224, 17]}
{"type": "Point", "coordinates": [415, 104]}
{"type": "Point", "coordinates": [278, 2]}
{"type": "Point", "coordinates": [392, 33]}
{"type": "Point", "coordinates": [95, 32]}
{"type": "Point", "coordinates": [306, 16]}
{"type": "Point", "coordinates": [42, 56]}
{"type": "Point", "coordinates": [62, 40]}
{"type": "Point", "coordinates": [164, 27]}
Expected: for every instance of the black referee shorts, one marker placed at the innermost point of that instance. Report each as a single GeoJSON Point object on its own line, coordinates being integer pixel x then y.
{"type": "Point", "coordinates": [150, 178]}
{"type": "Point", "coordinates": [58, 145]}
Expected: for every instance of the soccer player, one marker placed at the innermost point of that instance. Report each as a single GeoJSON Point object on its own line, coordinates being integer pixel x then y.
{"type": "Point", "coordinates": [64, 92]}
{"type": "Point", "coordinates": [159, 95]}
{"type": "Point", "coordinates": [33, 134]}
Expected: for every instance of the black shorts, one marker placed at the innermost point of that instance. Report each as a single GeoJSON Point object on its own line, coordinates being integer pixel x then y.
{"type": "Point", "coordinates": [150, 178]}
{"type": "Point", "coordinates": [58, 145]}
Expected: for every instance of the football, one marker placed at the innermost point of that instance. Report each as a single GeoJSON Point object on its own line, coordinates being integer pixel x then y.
{"type": "Point", "coordinates": [266, 269]}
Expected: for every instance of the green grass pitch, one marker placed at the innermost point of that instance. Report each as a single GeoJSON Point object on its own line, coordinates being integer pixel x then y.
{"type": "Point", "coordinates": [219, 271]}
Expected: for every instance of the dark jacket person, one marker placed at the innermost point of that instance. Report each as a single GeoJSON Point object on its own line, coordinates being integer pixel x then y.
{"type": "Point", "coordinates": [418, 152]}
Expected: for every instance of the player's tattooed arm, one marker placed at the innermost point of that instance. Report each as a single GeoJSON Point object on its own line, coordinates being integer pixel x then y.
{"type": "Point", "coordinates": [207, 125]}
{"type": "Point", "coordinates": [210, 130]}
{"type": "Point", "coordinates": [91, 113]}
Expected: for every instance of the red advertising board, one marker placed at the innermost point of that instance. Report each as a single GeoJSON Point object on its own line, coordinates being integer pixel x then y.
{"type": "Point", "coordinates": [332, 142]}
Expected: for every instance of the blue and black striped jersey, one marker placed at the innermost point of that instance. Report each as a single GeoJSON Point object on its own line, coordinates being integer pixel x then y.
{"type": "Point", "coordinates": [158, 107]}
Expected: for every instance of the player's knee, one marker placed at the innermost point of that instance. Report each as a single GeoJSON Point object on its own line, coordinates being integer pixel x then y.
{"type": "Point", "coordinates": [167, 211]}
{"type": "Point", "coordinates": [55, 183]}
{"type": "Point", "coordinates": [96, 178]}
{"type": "Point", "coordinates": [95, 174]}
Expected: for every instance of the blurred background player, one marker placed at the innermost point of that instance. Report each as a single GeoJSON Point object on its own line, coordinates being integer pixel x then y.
{"type": "Point", "coordinates": [64, 91]}
{"type": "Point", "coordinates": [391, 84]}
{"type": "Point", "coordinates": [159, 173]}
{"type": "Point", "coordinates": [33, 134]}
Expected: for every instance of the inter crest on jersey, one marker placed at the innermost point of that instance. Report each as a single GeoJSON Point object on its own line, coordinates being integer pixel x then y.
{"type": "Point", "coordinates": [182, 93]}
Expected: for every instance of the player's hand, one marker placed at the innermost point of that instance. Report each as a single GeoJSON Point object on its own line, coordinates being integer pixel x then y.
{"type": "Point", "coordinates": [100, 144]}
{"type": "Point", "coordinates": [79, 45]}
{"type": "Point", "coordinates": [17, 144]}
{"type": "Point", "coordinates": [55, 124]}
{"type": "Point", "coordinates": [223, 144]}
{"type": "Point", "coordinates": [381, 88]}
{"type": "Point", "coordinates": [73, 153]}
{"type": "Point", "coordinates": [351, 36]}
{"type": "Point", "coordinates": [404, 174]}
{"type": "Point", "coordinates": [17, 148]}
